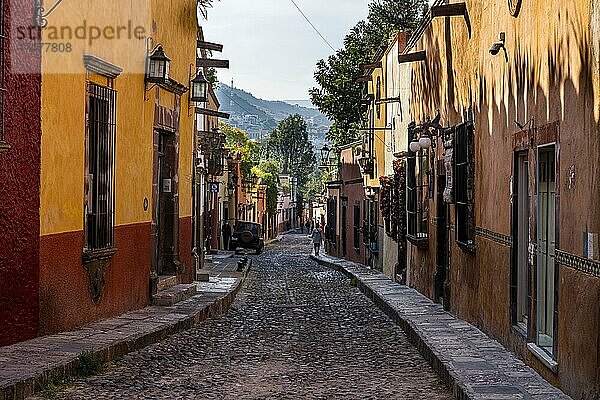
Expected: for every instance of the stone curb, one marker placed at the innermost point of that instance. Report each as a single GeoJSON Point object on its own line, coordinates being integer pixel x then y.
{"type": "Point", "coordinates": [154, 331]}
{"type": "Point", "coordinates": [459, 384]}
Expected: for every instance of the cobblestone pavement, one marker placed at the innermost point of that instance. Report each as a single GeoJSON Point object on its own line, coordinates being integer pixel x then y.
{"type": "Point", "coordinates": [297, 330]}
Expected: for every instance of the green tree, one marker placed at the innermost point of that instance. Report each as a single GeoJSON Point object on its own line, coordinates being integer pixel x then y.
{"type": "Point", "coordinates": [337, 96]}
{"type": "Point", "coordinates": [314, 187]}
{"type": "Point", "coordinates": [236, 141]}
{"type": "Point", "coordinates": [268, 172]}
{"type": "Point", "coordinates": [289, 145]}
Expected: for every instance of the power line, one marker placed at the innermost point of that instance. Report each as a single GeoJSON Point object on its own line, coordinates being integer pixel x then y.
{"type": "Point", "coordinates": [238, 104]}
{"type": "Point", "coordinates": [312, 25]}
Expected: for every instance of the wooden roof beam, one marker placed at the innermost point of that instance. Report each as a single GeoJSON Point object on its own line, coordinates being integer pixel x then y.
{"type": "Point", "coordinates": [211, 63]}
{"type": "Point", "coordinates": [374, 65]}
{"type": "Point", "coordinates": [361, 78]}
{"type": "Point", "coordinates": [412, 57]}
{"type": "Point", "coordinates": [449, 10]}
{"type": "Point", "coordinates": [212, 113]}
{"type": "Point", "coordinates": [452, 10]}
{"type": "Point", "coordinates": [210, 46]}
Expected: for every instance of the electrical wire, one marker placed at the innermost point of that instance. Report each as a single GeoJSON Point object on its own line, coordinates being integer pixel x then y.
{"type": "Point", "coordinates": [238, 104]}
{"type": "Point", "coordinates": [312, 25]}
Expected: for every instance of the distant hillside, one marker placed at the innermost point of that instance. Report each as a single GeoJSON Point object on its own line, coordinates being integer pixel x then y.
{"type": "Point", "coordinates": [258, 117]}
{"type": "Point", "coordinates": [302, 103]}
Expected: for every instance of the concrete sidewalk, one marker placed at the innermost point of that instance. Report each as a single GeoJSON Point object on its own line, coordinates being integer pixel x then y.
{"type": "Point", "coordinates": [28, 365]}
{"type": "Point", "coordinates": [470, 363]}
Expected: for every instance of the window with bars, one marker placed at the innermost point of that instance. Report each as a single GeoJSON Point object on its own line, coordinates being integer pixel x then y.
{"type": "Point", "coordinates": [99, 174]}
{"type": "Point", "coordinates": [3, 45]}
{"type": "Point", "coordinates": [464, 175]}
{"type": "Point", "coordinates": [357, 223]}
{"type": "Point", "coordinates": [417, 193]}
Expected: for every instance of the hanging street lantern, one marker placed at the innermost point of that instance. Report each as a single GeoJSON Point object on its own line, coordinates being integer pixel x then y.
{"type": "Point", "coordinates": [199, 84]}
{"type": "Point", "coordinates": [333, 159]}
{"type": "Point", "coordinates": [231, 189]}
{"type": "Point", "coordinates": [158, 66]}
{"type": "Point", "coordinates": [325, 151]}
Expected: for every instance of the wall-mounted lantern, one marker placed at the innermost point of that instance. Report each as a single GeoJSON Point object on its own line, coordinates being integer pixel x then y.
{"type": "Point", "coordinates": [499, 45]}
{"type": "Point", "coordinates": [199, 85]}
{"type": "Point", "coordinates": [158, 66]}
{"type": "Point", "coordinates": [425, 133]}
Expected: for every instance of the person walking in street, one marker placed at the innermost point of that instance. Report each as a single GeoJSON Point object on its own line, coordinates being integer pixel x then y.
{"type": "Point", "coordinates": [307, 225]}
{"type": "Point", "coordinates": [226, 232]}
{"type": "Point", "coordinates": [317, 238]}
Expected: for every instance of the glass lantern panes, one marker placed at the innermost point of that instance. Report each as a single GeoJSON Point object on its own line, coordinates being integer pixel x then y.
{"type": "Point", "coordinates": [159, 65]}
{"type": "Point", "coordinates": [199, 88]}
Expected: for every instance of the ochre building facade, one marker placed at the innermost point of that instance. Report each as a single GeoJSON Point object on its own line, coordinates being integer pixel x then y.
{"type": "Point", "coordinates": [116, 174]}
{"type": "Point", "coordinates": [510, 239]}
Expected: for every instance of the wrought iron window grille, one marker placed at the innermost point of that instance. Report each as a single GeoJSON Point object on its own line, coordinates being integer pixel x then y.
{"type": "Point", "coordinates": [99, 169]}
{"type": "Point", "coordinates": [464, 174]}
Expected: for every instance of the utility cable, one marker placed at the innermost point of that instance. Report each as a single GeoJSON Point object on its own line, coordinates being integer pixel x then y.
{"type": "Point", "coordinates": [238, 104]}
{"type": "Point", "coordinates": [312, 25]}
{"type": "Point", "coordinates": [224, 91]}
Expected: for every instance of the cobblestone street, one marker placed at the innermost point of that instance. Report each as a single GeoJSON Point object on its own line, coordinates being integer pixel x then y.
{"type": "Point", "coordinates": [296, 330]}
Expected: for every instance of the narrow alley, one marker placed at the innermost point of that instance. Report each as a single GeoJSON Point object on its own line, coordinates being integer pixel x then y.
{"type": "Point", "coordinates": [296, 330]}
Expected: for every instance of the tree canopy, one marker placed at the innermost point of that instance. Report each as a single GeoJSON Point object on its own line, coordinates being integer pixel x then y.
{"type": "Point", "coordinates": [289, 145]}
{"type": "Point", "coordinates": [268, 172]}
{"type": "Point", "coordinates": [337, 96]}
{"type": "Point", "coordinates": [237, 141]}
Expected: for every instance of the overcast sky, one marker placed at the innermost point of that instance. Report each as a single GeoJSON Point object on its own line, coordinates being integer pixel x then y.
{"type": "Point", "coordinates": [271, 48]}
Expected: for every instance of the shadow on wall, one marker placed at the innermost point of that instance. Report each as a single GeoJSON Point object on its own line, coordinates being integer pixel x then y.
{"type": "Point", "coordinates": [551, 76]}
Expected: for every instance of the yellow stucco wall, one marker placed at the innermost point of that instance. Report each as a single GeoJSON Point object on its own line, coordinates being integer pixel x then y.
{"type": "Point", "coordinates": [172, 24]}
{"type": "Point", "coordinates": [378, 122]}
{"type": "Point", "coordinates": [175, 26]}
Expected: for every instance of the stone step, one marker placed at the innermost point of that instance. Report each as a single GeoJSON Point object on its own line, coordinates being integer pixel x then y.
{"type": "Point", "coordinates": [203, 276]}
{"type": "Point", "coordinates": [174, 295]}
{"type": "Point", "coordinates": [167, 281]}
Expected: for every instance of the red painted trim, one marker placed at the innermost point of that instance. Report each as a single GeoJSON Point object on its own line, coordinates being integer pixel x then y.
{"type": "Point", "coordinates": [65, 302]}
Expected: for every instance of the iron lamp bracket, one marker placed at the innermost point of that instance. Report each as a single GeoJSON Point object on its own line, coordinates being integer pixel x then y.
{"type": "Point", "coordinates": [41, 15]}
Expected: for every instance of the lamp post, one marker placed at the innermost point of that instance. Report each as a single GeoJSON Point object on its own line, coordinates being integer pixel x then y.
{"type": "Point", "coordinates": [426, 134]}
